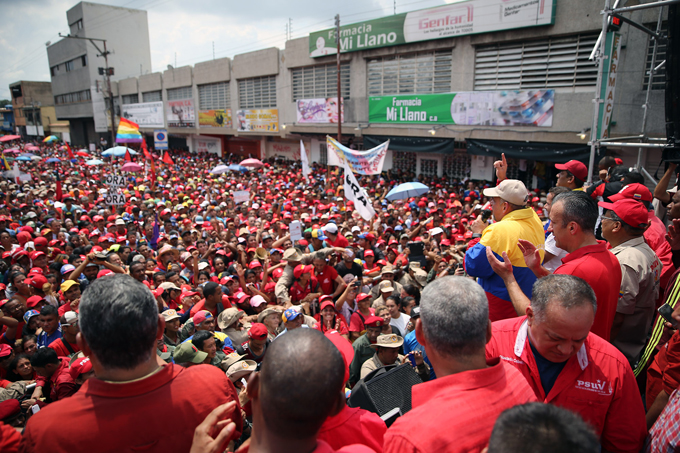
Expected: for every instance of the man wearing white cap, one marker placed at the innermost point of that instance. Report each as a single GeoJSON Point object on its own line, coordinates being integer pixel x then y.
{"type": "Point", "coordinates": [335, 238]}
{"type": "Point", "coordinates": [514, 220]}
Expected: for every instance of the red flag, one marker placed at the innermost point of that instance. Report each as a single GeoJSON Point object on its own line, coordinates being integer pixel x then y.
{"type": "Point", "coordinates": [128, 157]}
{"type": "Point", "coordinates": [167, 159]}
{"type": "Point", "coordinates": [153, 173]}
{"type": "Point", "coordinates": [147, 154]}
{"type": "Point", "coordinates": [59, 193]}
{"type": "Point", "coordinates": [70, 153]}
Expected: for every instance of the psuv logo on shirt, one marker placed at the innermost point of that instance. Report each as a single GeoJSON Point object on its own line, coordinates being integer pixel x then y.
{"type": "Point", "coordinates": [510, 359]}
{"type": "Point", "coordinates": [600, 387]}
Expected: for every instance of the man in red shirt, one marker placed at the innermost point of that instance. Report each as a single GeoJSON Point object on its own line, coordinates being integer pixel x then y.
{"type": "Point", "coordinates": [67, 344]}
{"type": "Point", "coordinates": [327, 276]}
{"type": "Point", "coordinates": [120, 326]}
{"type": "Point", "coordinates": [572, 221]}
{"type": "Point", "coordinates": [456, 412]}
{"type": "Point", "coordinates": [54, 379]}
{"type": "Point", "coordinates": [335, 239]}
{"type": "Point", "coordinates": [569, 366]}
{"type": "Point", "coordinates": [212, 300]}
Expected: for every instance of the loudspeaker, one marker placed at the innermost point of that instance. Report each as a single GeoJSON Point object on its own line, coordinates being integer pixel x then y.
{"type": "Point", "coordinates": [672, 95]}
{"type": "Point", "coordinates": [384, 389]}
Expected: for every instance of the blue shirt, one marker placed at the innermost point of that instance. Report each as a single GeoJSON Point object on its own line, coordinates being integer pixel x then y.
{"type": "Point", "coordinates": [44, 340]}
{"type": "Point", "coordinates": [411, 344]}
{"type": "Point", "coordinates": [546, 369]}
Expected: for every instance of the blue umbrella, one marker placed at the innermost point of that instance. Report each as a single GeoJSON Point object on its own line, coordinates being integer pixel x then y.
{"type": "Point", "coordinates": [237, 167]}
{"type": "Point", "coordinates": [94, 162]}
{"type": "Point", "coordinates": [24, 158]}
{"type": "Point", "coordinates": [52, 160]}
{"type": "Point", "coordinates": [407, 190]}
{"type": "Point", "coordinates": [118, 151]}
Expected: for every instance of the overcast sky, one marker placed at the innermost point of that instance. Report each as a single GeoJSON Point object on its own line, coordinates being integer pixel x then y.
{"type": "Point", "coordinates": [187, 28]}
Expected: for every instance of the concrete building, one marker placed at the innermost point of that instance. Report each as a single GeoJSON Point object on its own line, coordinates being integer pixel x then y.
{"type": "Point", "coordinates": [78, 87]}
{"type": "Point", "coordinates": [7, 119]}
{"type": "Point", "coordinates": [33, 106]}
{"type": "Point", "coordinates": [524, 91]}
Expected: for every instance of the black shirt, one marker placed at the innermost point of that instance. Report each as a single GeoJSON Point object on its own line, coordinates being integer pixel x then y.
{"type": "Point", "coordinates": [355, 269]}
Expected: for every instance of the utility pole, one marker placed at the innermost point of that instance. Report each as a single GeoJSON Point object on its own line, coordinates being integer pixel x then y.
{"type": "Point", "coordinates": [337, 42]}
{"type": "Point", "coordinates": [107, 72]}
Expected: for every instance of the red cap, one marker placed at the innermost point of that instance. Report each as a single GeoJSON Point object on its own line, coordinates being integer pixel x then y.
{"type": "Point", "coordinates": [635, 191]}
{"type": "Point", "coordinates": [374, 321]}
{"type": "Point", "coordinates": [37, 281]}
{"type": "Point", "coordinates": [258, 331]}
{"type": "Point", "coordinates": [33, 301]}
{"type": "Point", "coordinates": [345, 348]}
{"type": "Point", "coordinates": [301, 269]}
{"type": "Point", "coordinates": [630, 211]}
{"type": "Point", "coordinates": [576, 168]}
{"type": "Point", "coordinates": [80, 366]}
{"type": "Point", "coordinates": [5, 350]}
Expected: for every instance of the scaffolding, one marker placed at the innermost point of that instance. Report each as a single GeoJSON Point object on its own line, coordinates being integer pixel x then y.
{"type": "Point", "coordinates": [599, 54]}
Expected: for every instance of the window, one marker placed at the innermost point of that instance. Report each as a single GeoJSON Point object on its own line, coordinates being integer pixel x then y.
{"type": "Point", "coordinates": [71, 98]}
{"type": "Point", "coordinates": [404, 161]}
{"type": "Point", "coordinates": [548, 63]}
{"type": "Point", "coordinates": [53, 70]}
{"type": "Point", "coordinates": [659, 79]}
{"type": "Point", "coordinates": [130, 98]}
{"type": "Point", "coordinates": [320, 81]}
{"type": "Point", "coordinates": [323, 152]}
{"type": "Point", "coordinates": [426, 72]}
{"type": "Point", "coordinates": [152, 96]}
{"type": "Point", "coordinates": [214, 96]}
{"type": "Point", "coordinates": [69, 66]}
{"type": "Point", "coordinates": [83, 60]}
{"type": "Point", "coordinates": [175, 94]}
{"type": "Point", "coordinates": [257, 93]}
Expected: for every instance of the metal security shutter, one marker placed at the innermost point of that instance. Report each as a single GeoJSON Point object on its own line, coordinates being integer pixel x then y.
{"type": "Point", "coordinates": [659, 80]}
{"type": "Point", "coordinates": [175, 94]}
{"type": "Point", "coordinates": [548, 63]}
{"type": "Point", "coordinates": [130, 98]}
{"type": "Point", "coordinates": [426, 72]}
{"type": "Point", "coordinates": [214, 96]}
{"type": "Point", "coordinates": [257, 93]}
{"type": "Point", "coordinates": [320, 81]}
{"type": "Point", "coordinates": [152, 96]}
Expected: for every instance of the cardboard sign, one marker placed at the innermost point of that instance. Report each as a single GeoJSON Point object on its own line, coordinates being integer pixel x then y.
{"type": "Point", "coordinates": [295, 229]}
{"type": "Point", "coordinates": [241, 196]}
{"type": "Point", "coordinates": [113, 180]}
{"type": "Point", "coordinates": [115, 198]}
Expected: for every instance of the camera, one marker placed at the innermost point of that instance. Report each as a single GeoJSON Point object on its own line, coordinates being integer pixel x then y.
{"type": "Point", "coordinates": [486, 214]}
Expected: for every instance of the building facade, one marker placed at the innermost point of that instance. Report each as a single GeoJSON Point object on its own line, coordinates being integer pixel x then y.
{"type": "Point", "coordinates": [33, 106]}
{"type": "Point", "coordinates": [76, 65]}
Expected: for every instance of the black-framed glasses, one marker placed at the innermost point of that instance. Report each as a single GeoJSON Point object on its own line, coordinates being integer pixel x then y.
{"type": "Point", "coordinates": [608, 218]}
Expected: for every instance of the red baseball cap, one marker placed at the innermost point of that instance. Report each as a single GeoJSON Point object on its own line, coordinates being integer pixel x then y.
{"type": "Point", "coordinates": [258, 331]}
{"type": "Point", "coordinates": [80, 366]}
{"type": "Point", "coordinates": [632, 212]}
{"type": "Point", "coordinates": [576, 168]}
{"type": "Point", "coordinates": [635, 191]}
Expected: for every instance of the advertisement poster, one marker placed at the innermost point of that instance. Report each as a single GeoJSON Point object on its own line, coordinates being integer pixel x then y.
{"type": "Point", "coordinates": [447, 21]}
{"type": "Point", "coordinates": [319, 110]}
{"type": "Point", "coordinates": [208, 145]}
{"type": "Point", "coordinates": [257, 120]}
{"type": "Point", "coordinates": [612, 51]}
{"type": "Point", "coordinates": [101, 118]}
{"type": "Point", "coordinates": [146, 114]}
{"type": "Point", "coordinates": [472, 108]}
{"type": "Point", "coordinates": [215, 118]}
{"type": "Point", "coordinates": [181, 113]}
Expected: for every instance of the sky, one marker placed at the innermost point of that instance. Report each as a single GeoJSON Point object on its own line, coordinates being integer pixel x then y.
{"type": "Point", "coordinates": [181, 32]}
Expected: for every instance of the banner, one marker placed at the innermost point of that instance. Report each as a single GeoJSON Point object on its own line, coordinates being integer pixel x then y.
{"type": "Point", "coordinates": [160, 139]}
{"type": "Point", "coordinates": [215, 118]}
{"type": "Point", "coordinates": [101, 123]}
{"type": "Point", "coordinates": [320, 110]}
{"type": "Point", "coordinates": [362, 162]}
{"type": "Point", "coordinates": [208, 145]}
{"type": "Point", "coordinates": [181, 113]}
{"type": "Point", "coordinates": [304, 160]}
{"type": "Point", "coordinates": [447, 21]}
{"type": "Point", "coordinates": [471, 108]}
{"type": "Point", "coordinates": [146, 114]}
{"type": "Point", "coordinates": [241, 196]}
{"type": "Point", "coordinates": [612, 52]}
{"type": "Point", "coordinates": [257, 120]}
{"type": "Point", "coordinates": [357, 195]}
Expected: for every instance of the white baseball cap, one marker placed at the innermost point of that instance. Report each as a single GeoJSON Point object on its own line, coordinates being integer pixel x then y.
{"type": "Point", "coordinates": [510, 190]}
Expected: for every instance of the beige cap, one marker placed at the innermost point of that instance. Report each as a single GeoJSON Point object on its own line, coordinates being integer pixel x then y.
{"type": "Point", "coordinates": [388, 341]}
{"type": "Point", "coordinates": [168, 286]}
{"type": "Point", "coordinates": [510, 190]}
{"type": "Point", "coordinates": [230, 360]}
{"type": "Point", "coordinates": [169, 315]}
{"type": "Point", "coordinates": [386, 289]}
{"type": "Point", "coordinates": [421, 277]}
{"type": "Point", "coordinates": [240, 369]}
{"type": "Point", "coordinates": [266, 312]}
{"type": "Point", "coordinates": [229, 317]}
{"type": "Point", "coordinates": [292, 254]}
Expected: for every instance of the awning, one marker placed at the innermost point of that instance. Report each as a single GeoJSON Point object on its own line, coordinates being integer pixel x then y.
{"type": "Point", "coordinates": [537, 151]}
{"type": "Point", "coordinates": [412, 144]}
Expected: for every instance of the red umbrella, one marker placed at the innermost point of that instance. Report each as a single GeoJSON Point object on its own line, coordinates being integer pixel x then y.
{"type": "Point", "coordinates": [252, 163]}
{"type": "Point", "coordinates": [7, 138]}
{"type": "Point", "coordinates": [82, 154]}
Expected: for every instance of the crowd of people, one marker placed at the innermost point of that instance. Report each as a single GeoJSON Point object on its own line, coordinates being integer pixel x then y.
{"type": "Point", "coordinates": [184, 321]}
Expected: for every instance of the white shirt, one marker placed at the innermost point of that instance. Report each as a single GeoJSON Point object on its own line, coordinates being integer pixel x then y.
{"type": "Point", "coordinates": [400, 323]}
{"type": "Point", "coordinates": [551, 247]}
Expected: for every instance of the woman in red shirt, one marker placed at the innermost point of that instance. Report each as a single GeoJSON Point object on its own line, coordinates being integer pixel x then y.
{"type": "Point", "coordinates": [328, 319]}
{"type": "Point", "coordinates": [356, 321]}
{"type": "Point", "coordinates": [370, 268]}
{"type": "Point", "coordinates": [306, 287]}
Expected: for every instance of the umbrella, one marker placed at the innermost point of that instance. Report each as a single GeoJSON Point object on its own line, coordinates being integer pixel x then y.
{"type": "Point", "coordinates": [118, 151]}
{"type": "Point", "coordinates": [407, 190]}
{"type": "Point", "coordinates": [50, 139]}
{"type": "Point", "coordinates": [94, 162]}
{"type": "Point", "coordinates": [131, 166]}
{"type": "Point", "coordinates": [219, 169]}
{"type": "Point", "coordinates": [28, 155]}
{"type": "Point", "coordinates": [237, 167]}
{"type": "Point", "coordinates": [252, 163]}
{"type": "Point", "coordinates": [52, 160]}
{"type": "Point", "coordinates": [7, 138]}
{"type": "Point", "coordinates": [13, 150]}
{"type": "Point", "coordinates": [23, 158]}
{"type": "Point", "coordinates": [82, 154]}
{"type": "Point", "coordinates": [36, 158]}
{"type": "Point", "coordinates": [32, 148]}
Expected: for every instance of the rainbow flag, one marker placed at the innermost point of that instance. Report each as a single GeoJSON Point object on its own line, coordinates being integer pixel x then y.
{"type": "Point", "coordinates": [128, 132]}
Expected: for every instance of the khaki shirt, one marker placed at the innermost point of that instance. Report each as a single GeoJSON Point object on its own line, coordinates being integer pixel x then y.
{"type": "Point", "coordinates": [375, 291]}
{"type": "Point", "coordinates": [641, 271]}
{"type": "Point", "coordinates": [237, 337]}
{"type": "Point", "coordinates": [286, 280]}
{"type": "Point", "coordinates": [374, 363]}
{"type": "Point", "coordinates": [408, 280]}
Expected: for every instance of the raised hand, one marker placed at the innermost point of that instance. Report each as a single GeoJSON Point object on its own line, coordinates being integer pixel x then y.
{"type": "Point", "coordinates": [501, 167]}
{"type": "Point", "coordinates": [532, 256]}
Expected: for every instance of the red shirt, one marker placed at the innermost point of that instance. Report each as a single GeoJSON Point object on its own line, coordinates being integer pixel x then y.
{"type": "Point", "coordinates": [340, 241]}
{"type": "Point", "coordinates": [602, 271]}
{"type": "Point", "coordinates": [326, 278]}
{"type": "Point", "coordinates": [664, 372]}
{"type": "Point", "coordinates": [340, 325]}
{"type": "Point", "coordinates": [323, 447]}
{"type": "Point", "coordinates": [9, 439]}
{"type": "Point", "coordinates": [201, 306]}
{"type": "Point", "coordinates": [597, 383]}
{"type": "Point", "coordinates": [655, 236]}
{"type": "Point", "coordinates": [353, 425]}
{"type": "Point", "coordinates": [61, 384]}
{"type": "Point", "coordinates": [356, 321]}
{"type": "Point", "coordinates": [463, 407]}
{"type": "Point", "coordinates": [59, 346]}
{"type": "Point", "coordinates": [297, 292]}
{"type": "Point", "coordinates": [139, 409]}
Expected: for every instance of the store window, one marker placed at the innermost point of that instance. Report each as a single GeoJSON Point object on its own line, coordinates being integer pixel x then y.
{"type": "Point", "coordinates": [175, 94]}
{"type": "Point", "coordinates": [214, 96]}
{"type": "Point", "coordinates": [130, 98]}
{"type": "Point", "coordinates": [323, 153]}
{"type": "Point", "coordinates": [404, 161]}
{"type": "Point", "coordinates": [457, 165]}
{"type": "Point", "coordinates": [659, 80]}
{"type": "Point", "coordinates": [320, 81]}
{"type": "Point", "coordinates": [257, 93]}
{"type": "Point", "coordinates": [423, 72]}
{"type": "Point", "coordinates": [548, 63]}
{"type": "Point", "coordinates": [152, 96]}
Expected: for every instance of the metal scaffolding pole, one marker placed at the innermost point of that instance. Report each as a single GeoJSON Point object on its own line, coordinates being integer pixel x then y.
{"type": "Point", "coordinates": [594, 130]}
